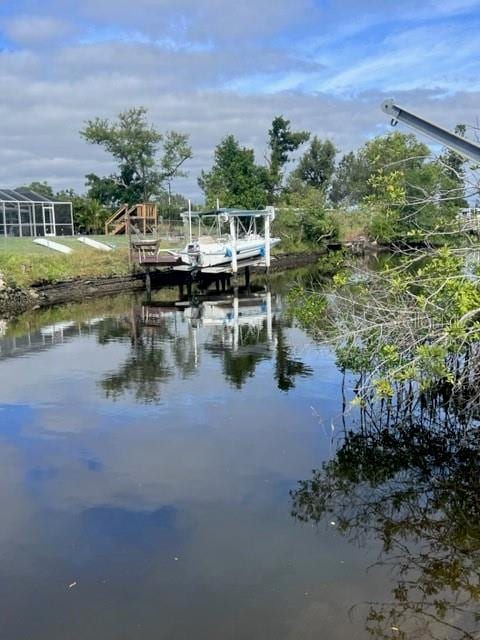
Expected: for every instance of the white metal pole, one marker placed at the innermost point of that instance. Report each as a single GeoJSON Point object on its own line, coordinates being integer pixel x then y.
{"type": "Point", "coordinates": [267, 240]}
{"type": "Point", "coordinates": [190, 219]}
{"type": "Point", "coordinates": [233, 235]}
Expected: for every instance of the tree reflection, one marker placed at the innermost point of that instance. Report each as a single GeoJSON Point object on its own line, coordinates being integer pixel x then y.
{"type": "Point", "coordinates": [240, 363]}
{"type": "Point", "coordinates": [287, 367]}
{"type": "Point", "coordinates": [410, 479]}
{"type": "Point", "coordinates": [142, 373]}
{"type": "Point", "coordinates": [146, 366]}
{"type": "Point", "coordinates": [164, 340]}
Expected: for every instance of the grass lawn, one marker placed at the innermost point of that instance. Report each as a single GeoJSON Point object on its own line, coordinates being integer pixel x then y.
{"type": "Point", "coordinates": [24, 263]}
{"type": "Point", "coordinates": [26, 246]}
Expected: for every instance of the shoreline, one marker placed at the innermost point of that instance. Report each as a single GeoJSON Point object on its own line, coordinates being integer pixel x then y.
{"type": "Point", "coordinates": [15, 300]}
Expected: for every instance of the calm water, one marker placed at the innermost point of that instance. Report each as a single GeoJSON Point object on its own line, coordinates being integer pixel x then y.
{"type": "Point", "coordinates": [146, 458]}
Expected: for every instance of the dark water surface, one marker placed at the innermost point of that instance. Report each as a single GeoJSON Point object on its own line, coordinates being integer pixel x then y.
{"type": "Point", "coordinates": [146, 459]}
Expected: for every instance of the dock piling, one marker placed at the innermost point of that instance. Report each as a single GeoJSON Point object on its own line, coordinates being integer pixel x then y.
{"type": "Point", "coordinates": [247, 278]}
{"type": "Point", "coordinates": [148, 282]}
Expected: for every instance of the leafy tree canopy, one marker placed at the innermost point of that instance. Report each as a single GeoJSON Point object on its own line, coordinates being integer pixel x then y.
{"type": "Point", "coordinates": [135, 145]}
{"type": "Point", "coordinates": [235, 179]}
{"type": "Point", "coordinates": [282, 143]}
{"type": "Point", "coordinates": [42, 188]}
{"type": "Point", "coordinates": [316, 167]}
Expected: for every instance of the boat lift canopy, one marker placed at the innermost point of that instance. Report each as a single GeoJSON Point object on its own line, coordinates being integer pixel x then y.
{"type": "Point", "coordinates": [227, 213]}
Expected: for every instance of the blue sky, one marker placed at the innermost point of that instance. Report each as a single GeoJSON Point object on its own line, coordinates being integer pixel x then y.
{"type": "Point", "coordinates": [212, 68]}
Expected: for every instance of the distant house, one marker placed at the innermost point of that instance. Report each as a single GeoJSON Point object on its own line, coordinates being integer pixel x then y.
{"type": "Point", "coordinates": [25, 213]}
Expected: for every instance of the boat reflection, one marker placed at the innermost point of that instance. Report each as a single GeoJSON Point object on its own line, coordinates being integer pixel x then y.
{"type": "Point", "coordinates": [172, 338]}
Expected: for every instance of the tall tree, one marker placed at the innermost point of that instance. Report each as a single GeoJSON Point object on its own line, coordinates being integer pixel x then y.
{"type": "Point", "coordinates": [317, 165]}
{"type": "Point", "coordinates": [282, 142]}
{"type": "Point", "coordinates": [350, 182]}
{"type": "Point", "coordinates": [135, 145]}
{"type": "Point", "coordinates": [235, 179]}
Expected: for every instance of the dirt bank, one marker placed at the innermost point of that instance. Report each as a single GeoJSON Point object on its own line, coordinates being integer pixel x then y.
{"type": "Point", "coordinates": [14, 301]}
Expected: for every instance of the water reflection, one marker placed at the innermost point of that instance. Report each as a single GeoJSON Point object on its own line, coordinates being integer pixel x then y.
{"type": "Point", "coordinates": [410, 479]}
{"type": "Point", "coordinates": [168, 339]}
{"type": "Point", "coordinates": [168, 508]}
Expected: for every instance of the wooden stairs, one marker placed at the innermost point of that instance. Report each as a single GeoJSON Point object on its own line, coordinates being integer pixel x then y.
{"type": "Point", "coordinates": [141, 218]}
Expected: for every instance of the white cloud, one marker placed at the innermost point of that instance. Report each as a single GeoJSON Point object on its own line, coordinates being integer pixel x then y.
{"type": "Point", "coordinates": [37, 31]}
{"type": "Point", "coordinates": [215, 68]}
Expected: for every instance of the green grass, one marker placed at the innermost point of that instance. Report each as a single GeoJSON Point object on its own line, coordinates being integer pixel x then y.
{"type": "Point", "coordinates": [26, 246]}
{"type": "Point", "coordinates": [24, 263]}
{"type": "Point", "coordinates": [25, 269]}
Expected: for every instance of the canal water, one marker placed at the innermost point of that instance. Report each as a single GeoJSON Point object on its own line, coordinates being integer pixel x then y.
{"type": "Point", "coordinates": [148, 452]}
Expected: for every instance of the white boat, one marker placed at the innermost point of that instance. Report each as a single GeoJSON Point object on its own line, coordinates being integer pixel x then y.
{"type": "Point", "coordinates": [208, 251]}
{"type": "Point", "coordinates": [242, 240]}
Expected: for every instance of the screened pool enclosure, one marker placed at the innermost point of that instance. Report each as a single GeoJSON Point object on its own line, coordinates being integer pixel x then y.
{"type": "Point", "coordinates": [25, 213]}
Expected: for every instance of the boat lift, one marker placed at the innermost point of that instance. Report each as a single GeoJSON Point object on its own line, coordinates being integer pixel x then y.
{"type": "Point", "coordinates": [237, 221]}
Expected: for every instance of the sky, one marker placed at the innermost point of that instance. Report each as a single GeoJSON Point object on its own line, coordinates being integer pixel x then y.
{"type": "Point", "coordinates": [211, 68]}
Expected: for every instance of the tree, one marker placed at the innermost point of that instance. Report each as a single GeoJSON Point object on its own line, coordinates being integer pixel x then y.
{"type": "Point", "coordinates": [282, 142]}
{"type": "Point", "coordinates": [89, 214]}
{"type": "Point", "coordinates": [408, 186]}
{"type": "Point", "coordinates": [235, 180]}
{"type": "Point", "coordinates": [42, 188]}
{"type": "Point", "coordinates": [410, 195]}
{"type": "Point", "coordinates": [316, 167]}
{"type": "Point", "coordinates": [349, 184]}
{"type": "Point", "coordinates": [135, 145]}
{"type": "Point", "coordinates": [171, 205]}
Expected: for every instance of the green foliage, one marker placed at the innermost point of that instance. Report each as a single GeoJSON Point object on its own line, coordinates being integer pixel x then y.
{"type": "Point", "coordinates": [417, 322]}
{"type": "Point", "coordinates": [89, 214]}
{"type": "Point", "coordinates": [135, 145]}
{"type": "Point", "coordinates": [316, 167]}
{"type": "Point", "coordinates": [235, 179]}
{"type": "Point", "coordinates": [349, 184]}
{"type": "Point", "coordinates": [408, 190]}
{"type": "Point", "coordinates": [317, 223]}
{"type": "Point", "coordinates": [42, 188]}
{"type": "Point", "coordinates": [410, 195]}
{"type": "Point", "coordinates": [308, 307]}
{"type": "Point", "coordinates": [282, 142]}
{"type": "Point", "coordinates": [171, 206]}
{"type": "Point", "coordinates": [288, 226]}
{"type": "Point", "coordinates": [305, 218]}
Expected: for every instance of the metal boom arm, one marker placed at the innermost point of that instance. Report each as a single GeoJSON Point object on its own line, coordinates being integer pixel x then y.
{"type": "Point", "coordinates": [464, 147]}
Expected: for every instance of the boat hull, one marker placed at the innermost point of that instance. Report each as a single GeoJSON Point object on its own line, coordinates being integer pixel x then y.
{"type": "Point", "coordinates": [221, 253]}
